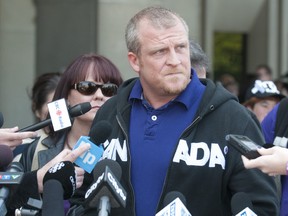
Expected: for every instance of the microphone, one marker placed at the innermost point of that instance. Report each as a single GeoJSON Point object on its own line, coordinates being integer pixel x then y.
{"type": "Point", "coordinates": [74, 111]}
{"type": "Point", "coordinates": [13, 175]}
{"type": "Point", "coordinates": [174, 203]}
{"type": "Point", "coordinates": [106, 192]}
{"type": "Point", "coordinates": [173, 195]}
{"type": "Point", "coordinates": [99, 133]}
{"type": "Point", "coordinates": [59, 183]}
{"type": "Point", "coordinates": [6, 157]}
{"type": "Point", "coordinates": [1, 120]}
{"type": "Point", "coordinates": [242, 205]}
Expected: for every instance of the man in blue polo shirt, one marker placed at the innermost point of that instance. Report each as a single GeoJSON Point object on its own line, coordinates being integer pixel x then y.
{"type": "Point", "coordinates": [169, 129]}
{"type": "Point", "coordinates": [155, 133]}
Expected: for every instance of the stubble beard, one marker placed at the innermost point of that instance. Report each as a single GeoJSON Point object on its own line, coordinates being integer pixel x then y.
{"type": "Point", "coordinates": [175, 86]}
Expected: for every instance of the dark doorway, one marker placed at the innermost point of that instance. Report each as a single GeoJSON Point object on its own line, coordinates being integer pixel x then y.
{"type": "Point", "coordinates": [230, 56]}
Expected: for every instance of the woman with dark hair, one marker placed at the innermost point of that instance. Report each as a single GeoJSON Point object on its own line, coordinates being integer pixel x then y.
{"type": "Point", "coordinates": [89, 78]}
{"type": "Point", "coordinates": [86, 79]}
{"type": "Point", "coordinates": [42, 93]}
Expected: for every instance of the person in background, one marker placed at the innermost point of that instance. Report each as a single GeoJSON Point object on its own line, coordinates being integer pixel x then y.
{"type": "Point", "coordinates": [42, 93]}
{"type": "Point", "coordinates": [88, 78]}
{"type": "Point", "coordinates": [282, 84]}
{"type": "Point", "coordinates": [199, 60]}
{"type": "Point", "coordinates": [229, 82]}
{"type": "Point", "coordinates": [274, 160]}
{"type": "Point", "coordinates": [263, 72]}
{"type": "Point", "coordinates": [169, 129]}
{"type": "Point", "coordinates": [262, 98]}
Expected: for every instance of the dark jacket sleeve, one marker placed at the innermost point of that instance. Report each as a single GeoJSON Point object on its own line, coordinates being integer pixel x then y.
{"type": "Point", "coordinates": [260, 187]}
{"type": "Point", "coordinates": [28, 188]}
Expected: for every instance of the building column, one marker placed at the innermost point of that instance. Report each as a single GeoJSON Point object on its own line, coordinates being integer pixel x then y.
{"type": "Point", "coordinates": [17, 60]}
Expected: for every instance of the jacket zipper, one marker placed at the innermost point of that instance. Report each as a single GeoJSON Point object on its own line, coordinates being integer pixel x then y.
{"type": "Point", "coordinates": [128, 152]}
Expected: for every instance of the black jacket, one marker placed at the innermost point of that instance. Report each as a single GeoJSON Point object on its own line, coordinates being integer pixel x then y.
{"type": "Point", "coordinates": [28, 187]}
{"type": "Point", "coordinates": [208, 188]}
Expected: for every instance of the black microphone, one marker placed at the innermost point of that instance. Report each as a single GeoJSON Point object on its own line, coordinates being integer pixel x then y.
{"type": "Point", "coordinates": [106, 192]}
{"type": "Point", "coordinates": [241, 205]}
{"type": "Point", "coordinates": [59, 183]}
{"type": "Point", "coordinates": [13, 175]}
{"type": "Point", "coordinates": [74, 111]}
{"type": "Point", "coordinates": [174, 200]}
{"type": "Point", "coordinates": [6, 157]}
{"type": "Point", "coordinates": [173, 195]}
{"type": "Point", "coordinates": [1, 119]}
{"type": "Point", "coordinates": [100, 132]}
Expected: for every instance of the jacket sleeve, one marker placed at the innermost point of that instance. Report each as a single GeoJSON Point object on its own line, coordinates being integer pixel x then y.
{"type": "Point", "coordinates": [260, 187]}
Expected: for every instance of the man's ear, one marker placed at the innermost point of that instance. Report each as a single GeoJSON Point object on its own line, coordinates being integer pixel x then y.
{"type": "Point", "coordinates": [134, 61]}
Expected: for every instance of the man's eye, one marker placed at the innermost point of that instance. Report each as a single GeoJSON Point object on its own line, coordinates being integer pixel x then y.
{"type": "Point", "coordinates": [160, 51]}
{"type": "Point", "coordinates": [182, 46]}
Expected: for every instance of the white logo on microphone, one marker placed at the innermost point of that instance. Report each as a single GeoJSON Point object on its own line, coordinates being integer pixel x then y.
{"type": "Point", "coordinates": [73, 183]}
{"type": "Point", "coordinates": [115, 185]}
{"type": "Point", "coordinates": [56, 167]}
{"type": "Point", "coordinates": [94, 186]}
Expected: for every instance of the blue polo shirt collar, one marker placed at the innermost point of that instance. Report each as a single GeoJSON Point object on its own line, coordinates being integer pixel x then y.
{"type": "Point", "coordinates": [184, 98]}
